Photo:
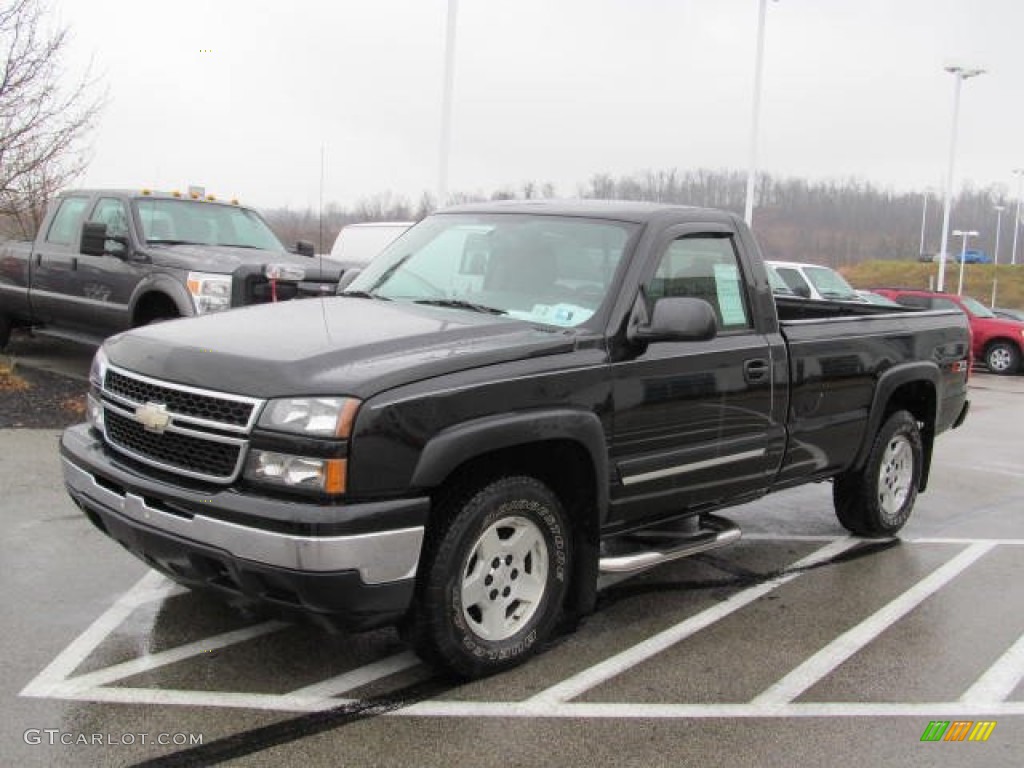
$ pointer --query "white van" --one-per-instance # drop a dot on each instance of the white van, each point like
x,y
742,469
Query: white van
x,y
813,281
357,244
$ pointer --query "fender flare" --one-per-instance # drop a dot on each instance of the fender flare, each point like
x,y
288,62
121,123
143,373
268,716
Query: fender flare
x,y
458,444
888,383
166,286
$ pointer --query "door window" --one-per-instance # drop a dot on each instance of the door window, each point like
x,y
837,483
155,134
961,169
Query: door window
x,y
704,267
112,212
66,221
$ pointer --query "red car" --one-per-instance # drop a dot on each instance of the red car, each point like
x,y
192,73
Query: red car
x,y
997,341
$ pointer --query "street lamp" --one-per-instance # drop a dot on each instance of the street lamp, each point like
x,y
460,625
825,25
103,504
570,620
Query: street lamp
x,y
960,74
446,105
1019,173
748,213
963,254
924,219
995,256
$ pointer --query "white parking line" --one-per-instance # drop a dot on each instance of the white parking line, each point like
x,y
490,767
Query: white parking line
x,y
150,587
152,661
846,645
616,665
1000,680
357,678
633,711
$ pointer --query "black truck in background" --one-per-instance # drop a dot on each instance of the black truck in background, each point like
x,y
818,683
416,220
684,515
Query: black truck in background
x,y
104,261
509,401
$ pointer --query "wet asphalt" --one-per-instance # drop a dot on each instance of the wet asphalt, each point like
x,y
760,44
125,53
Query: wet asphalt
x,y
794,647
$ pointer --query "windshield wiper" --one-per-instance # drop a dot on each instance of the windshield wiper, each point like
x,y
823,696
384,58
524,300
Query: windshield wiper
x,y
161,241
461,304
364,295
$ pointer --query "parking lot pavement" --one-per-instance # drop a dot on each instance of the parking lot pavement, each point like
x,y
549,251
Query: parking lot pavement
x,y
796,646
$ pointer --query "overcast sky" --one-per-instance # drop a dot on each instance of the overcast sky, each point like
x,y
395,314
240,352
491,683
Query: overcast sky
x,y
241,96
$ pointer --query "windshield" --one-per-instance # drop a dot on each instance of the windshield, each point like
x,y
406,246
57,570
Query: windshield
x,y
547,269
975,307
203,223
830,283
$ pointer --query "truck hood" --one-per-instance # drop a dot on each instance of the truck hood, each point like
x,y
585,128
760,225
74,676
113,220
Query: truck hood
x,y
330,346
224,259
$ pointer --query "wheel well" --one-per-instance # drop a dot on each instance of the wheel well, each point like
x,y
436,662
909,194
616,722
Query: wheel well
x,y
566,468
918,398
562,465
154,306
1002,340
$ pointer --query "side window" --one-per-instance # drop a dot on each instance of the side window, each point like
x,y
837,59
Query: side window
x,y
66,221
112,212
796,282
940,303
704,267
921,302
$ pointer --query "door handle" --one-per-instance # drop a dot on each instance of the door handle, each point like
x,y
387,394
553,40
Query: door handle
x,y
39,259
756,369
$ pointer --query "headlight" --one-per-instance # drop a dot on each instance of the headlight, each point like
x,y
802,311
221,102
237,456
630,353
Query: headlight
x,y
284,272
210,292
98,369
315,416
296,472
94,412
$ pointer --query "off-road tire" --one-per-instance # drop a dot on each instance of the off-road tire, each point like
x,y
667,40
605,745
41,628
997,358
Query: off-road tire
x,y
499,561
877,500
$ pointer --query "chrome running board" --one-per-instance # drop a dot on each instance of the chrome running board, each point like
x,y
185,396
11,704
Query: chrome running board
x,y
650,547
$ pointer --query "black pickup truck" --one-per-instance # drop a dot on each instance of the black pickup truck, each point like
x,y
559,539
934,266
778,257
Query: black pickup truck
x,y
511,400
104,261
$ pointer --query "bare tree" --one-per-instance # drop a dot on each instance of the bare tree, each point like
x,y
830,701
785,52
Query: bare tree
x,y
44,123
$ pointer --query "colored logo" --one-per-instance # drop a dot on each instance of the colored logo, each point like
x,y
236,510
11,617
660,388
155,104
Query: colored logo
x,y
958,730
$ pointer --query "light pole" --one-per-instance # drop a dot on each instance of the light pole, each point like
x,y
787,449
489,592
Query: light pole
x,y
446,105
995,255
924,218
960,74
963,254
748,212
1019,173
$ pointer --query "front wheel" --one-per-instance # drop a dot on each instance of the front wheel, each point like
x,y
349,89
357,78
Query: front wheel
x,y
494,580
1002,358
878,499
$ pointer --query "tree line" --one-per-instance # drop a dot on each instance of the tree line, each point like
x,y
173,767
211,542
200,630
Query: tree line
x,y
833,222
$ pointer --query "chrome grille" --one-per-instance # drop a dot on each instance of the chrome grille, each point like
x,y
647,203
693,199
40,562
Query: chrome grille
x,y
204,406
205,434
174,451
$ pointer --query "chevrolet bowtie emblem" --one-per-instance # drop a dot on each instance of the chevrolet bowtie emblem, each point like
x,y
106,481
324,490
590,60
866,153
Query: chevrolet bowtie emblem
x,y
153,416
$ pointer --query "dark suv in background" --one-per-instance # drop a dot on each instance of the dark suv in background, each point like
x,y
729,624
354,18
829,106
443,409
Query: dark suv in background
x,y
997,341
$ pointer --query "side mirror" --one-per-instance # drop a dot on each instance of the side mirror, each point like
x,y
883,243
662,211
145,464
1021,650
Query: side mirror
x,y
347,277
305,248
95,239
676,318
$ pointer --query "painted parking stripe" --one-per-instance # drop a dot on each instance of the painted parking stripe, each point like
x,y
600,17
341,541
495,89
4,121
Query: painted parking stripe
x,y
847,644
704,711
150,587
616,665
152,661
1001,679
356,678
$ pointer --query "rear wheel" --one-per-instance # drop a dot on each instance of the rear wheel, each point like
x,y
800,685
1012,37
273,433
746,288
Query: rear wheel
x,y
878,499
494,579
1002,357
